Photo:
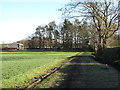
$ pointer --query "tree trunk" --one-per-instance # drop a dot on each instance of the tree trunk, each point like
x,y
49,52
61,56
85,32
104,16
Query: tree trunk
x,y
99,46
104,43
39,42
99,40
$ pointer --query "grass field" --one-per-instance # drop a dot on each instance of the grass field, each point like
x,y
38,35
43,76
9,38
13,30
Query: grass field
x,y
20,67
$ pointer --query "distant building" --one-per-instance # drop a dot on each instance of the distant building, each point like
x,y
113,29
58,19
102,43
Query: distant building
x,y
12,46
18,46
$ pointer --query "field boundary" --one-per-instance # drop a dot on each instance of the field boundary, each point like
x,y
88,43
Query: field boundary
x,y
41,78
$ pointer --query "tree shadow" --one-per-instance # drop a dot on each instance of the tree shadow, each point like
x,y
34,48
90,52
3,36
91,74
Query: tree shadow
x,y
70,70
73,69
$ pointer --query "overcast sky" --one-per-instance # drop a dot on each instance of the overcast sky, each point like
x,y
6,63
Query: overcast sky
x,y
19,18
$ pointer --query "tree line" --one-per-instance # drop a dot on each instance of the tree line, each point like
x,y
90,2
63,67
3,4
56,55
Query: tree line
x,y
66,35
97,28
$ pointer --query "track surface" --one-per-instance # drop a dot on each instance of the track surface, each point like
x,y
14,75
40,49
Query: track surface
x,y
84,72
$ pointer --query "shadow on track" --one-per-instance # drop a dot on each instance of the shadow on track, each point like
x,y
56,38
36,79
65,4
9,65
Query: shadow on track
x,y
84,72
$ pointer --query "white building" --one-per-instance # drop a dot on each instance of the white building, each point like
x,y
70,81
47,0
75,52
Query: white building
x,y
15,46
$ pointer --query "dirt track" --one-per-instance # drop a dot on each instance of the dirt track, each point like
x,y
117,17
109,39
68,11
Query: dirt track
x,y
84,72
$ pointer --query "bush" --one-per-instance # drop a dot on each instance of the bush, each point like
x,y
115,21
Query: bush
x,y
109,56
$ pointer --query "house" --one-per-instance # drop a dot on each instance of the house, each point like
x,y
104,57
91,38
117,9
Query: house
x,y
17,46
12,46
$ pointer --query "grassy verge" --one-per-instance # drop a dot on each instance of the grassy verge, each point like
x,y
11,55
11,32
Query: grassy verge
x,y
20,68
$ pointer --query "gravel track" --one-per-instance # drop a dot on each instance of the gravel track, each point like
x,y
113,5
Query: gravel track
x,y
84,72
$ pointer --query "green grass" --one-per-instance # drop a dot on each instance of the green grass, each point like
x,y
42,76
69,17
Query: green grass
x,y
20,67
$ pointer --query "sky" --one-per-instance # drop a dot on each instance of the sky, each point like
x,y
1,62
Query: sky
x,y
20,18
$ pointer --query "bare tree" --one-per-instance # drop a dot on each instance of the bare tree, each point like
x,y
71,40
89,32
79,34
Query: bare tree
x,y
104,16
